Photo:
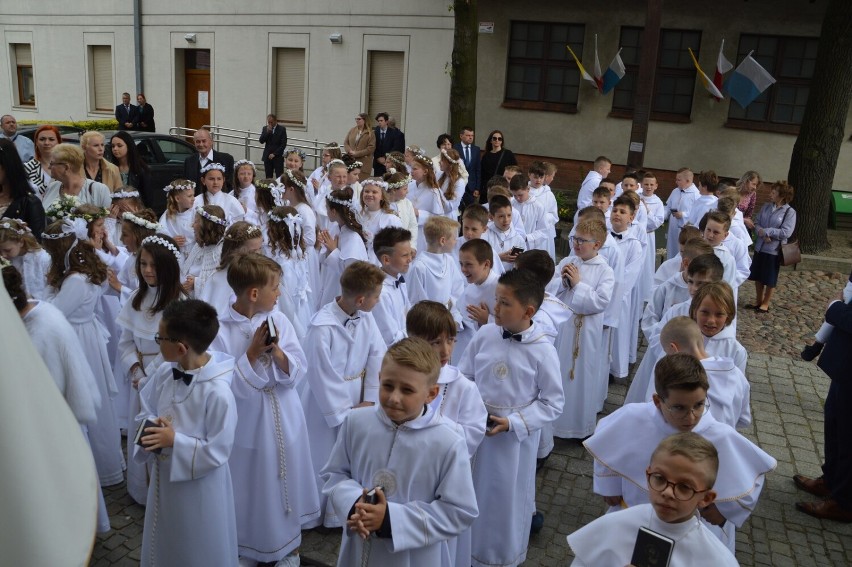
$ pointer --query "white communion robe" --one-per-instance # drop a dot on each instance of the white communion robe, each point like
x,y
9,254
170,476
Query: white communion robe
x,y
57,343
275,491
180,224
350,248
234,210
537,223
474,294
729,392
518,380
33,267
344,371
680,200
496,263
77,300
295,299
392,308
609,540
405,210
427,201
504,240
217,292
700,207
656,216
309,237
201,264
550,317
459,402
137,344
621,458
578,343
671,292
373,222
666,270
634,259
424,470
591,182
436,277
189,519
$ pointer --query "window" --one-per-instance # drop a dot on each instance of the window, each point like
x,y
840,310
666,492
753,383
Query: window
x,y
173,151
290,85
541,74
791,61
674,82
23,65
387,72
101,97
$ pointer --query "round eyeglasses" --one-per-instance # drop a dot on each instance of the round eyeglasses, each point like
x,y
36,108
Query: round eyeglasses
x,y
680,490
680,412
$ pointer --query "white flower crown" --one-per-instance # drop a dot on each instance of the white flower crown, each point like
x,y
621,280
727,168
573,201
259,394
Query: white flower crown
x,y
125,194
344,202
448,158
298,152
212,166
354,165
289,220
211,218
376,182
164,243
20,232
139,221
292,178
416,150
180,187
244,162
76,227
278,196
250,230
334,161
399,184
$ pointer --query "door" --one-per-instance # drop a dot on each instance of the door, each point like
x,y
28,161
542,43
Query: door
x,y
197,80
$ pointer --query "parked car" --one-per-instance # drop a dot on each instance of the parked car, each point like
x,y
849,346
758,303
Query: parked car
x,y
68,133
164,155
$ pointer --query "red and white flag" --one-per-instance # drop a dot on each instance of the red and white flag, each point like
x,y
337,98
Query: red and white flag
x,y
722,67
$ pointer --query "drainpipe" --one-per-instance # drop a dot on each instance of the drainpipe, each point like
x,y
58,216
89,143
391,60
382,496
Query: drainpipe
x,y
137,43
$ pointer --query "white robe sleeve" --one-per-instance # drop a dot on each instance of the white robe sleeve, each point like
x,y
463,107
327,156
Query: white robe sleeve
x,y
324,379
547,406
587,300
67,299
193,457
654,310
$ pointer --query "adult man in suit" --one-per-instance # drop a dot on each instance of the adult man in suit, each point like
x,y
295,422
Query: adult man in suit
x,y
192,165
125,113
835,484
274,135
472,157
388,140
145,117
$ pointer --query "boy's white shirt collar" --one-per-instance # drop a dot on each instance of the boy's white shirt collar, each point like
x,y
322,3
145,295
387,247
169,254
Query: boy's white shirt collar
x,y
427,419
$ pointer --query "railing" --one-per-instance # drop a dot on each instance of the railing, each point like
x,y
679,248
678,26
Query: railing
x,y
248,140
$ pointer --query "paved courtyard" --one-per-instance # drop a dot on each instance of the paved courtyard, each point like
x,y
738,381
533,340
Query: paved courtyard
x,y
786,397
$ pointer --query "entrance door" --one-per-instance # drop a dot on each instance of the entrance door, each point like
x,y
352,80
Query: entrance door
x,y
198,96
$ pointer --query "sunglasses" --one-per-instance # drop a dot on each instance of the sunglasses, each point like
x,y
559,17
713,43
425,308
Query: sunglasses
x,y
497,138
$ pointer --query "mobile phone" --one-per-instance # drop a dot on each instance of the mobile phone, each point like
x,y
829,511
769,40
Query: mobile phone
x,y
516,250
490,424
372,497
272,334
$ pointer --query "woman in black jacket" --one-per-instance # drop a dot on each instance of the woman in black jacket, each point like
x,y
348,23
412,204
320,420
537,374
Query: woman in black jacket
x,y
495,158
17,200
133,169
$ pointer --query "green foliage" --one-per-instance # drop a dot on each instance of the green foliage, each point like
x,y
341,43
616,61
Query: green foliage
x,y
564,206
110,124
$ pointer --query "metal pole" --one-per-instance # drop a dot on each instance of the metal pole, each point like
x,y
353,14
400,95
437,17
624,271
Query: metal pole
x,y
137,43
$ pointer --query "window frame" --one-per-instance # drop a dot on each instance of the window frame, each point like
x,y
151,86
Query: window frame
x,y
545,64
22,101
24,73
772,93
660,72
93,49
279,54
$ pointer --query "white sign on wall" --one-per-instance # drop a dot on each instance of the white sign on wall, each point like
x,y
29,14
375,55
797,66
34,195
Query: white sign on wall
x,y
203,99
486,27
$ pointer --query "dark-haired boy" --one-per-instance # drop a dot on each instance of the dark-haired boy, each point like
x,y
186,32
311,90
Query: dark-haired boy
x,y
538,226
623,212
345,349
501,234
271,503
474,223
539,190
600,169
517,372
392,247
190,400
680,404
476,304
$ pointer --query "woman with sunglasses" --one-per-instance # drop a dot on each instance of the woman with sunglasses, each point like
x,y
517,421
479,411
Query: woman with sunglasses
x,y
496,157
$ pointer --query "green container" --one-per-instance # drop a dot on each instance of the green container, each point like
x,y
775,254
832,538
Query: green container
x,y
841,210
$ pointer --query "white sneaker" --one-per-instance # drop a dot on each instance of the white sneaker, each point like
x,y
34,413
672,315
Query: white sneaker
x,y
291,560
246,562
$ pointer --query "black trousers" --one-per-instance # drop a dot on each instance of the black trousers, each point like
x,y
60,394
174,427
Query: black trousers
x,y
273,167
837,469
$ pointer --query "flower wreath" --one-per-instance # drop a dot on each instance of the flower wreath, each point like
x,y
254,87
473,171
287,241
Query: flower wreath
x,y
376,182
20,232
211,166
295,181
211,218
448,158
354,165
399,184
159,240
125,195
298,152
179,186
139,221
244,162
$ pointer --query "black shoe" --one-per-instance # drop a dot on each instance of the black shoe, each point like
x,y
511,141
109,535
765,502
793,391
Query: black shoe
x,y
539,463
537,523
812,351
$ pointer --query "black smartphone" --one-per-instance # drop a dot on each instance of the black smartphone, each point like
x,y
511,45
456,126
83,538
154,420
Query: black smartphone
x,y
490,424
372,497
141,431
516,250
272,334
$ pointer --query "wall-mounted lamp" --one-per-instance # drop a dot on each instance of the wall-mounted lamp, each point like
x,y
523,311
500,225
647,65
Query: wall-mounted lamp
x,y
336,38
190,37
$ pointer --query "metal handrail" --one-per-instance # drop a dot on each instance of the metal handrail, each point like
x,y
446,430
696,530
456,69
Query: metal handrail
x,y
248,140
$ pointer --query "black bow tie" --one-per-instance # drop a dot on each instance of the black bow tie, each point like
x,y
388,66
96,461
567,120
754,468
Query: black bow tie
x,y
399,280
353,320
178,375
616,235
511,335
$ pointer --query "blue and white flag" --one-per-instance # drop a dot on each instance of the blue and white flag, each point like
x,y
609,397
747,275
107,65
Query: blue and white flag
x,y
748,81
613,74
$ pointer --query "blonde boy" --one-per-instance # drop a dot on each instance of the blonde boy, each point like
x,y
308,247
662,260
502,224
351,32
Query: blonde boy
x,y
435,274
345,348
414,462
586,289
681,477
678,207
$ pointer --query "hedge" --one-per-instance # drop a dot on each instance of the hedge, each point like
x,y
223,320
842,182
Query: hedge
x,y
110,124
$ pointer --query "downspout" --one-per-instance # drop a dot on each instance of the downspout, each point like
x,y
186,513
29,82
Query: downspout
x,y
137,43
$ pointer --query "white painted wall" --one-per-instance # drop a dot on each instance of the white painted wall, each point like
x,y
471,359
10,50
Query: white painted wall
x,y
705,143
241,35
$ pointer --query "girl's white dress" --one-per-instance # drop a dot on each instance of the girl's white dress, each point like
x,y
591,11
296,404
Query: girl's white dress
x,y
180,224
77,299
201,263
373,222
309,237
295,301
350,248
234,210
405,210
